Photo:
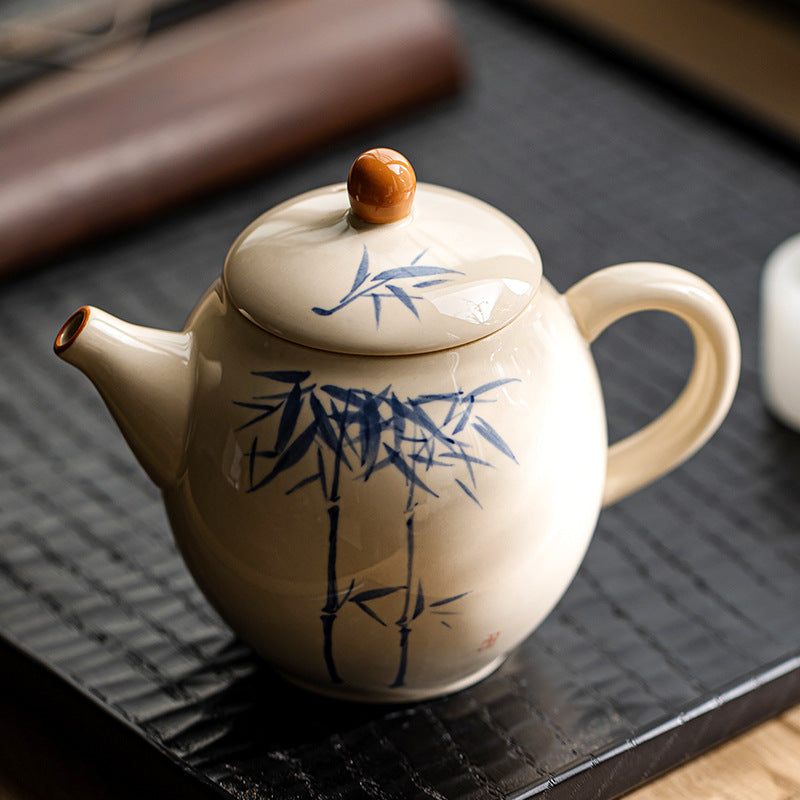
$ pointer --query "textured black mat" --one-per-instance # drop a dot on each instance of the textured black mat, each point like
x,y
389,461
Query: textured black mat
x,y
682,626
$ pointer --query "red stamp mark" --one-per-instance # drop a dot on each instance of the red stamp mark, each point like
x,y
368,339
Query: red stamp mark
x,y
489,641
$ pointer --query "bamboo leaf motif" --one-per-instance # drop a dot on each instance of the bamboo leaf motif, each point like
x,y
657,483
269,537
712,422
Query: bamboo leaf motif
x,y
398,273
321,471
283,395
468,493
343,395
397,460
370,435
398,420
465,457
296,450
369,612
463,419
403,297
252,461
451,397
427,284
362,598
374,594
419,606
422,419
324,427
449,600
427,459
468,462
289,417
418,256
362,273
305,482
366,286
493,437
266,409
488,387
346,595
400,411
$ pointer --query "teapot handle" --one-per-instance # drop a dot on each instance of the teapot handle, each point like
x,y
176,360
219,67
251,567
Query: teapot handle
x,y
601,299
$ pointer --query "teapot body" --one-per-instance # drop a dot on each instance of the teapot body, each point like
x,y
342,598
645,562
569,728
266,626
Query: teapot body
x,y
385,488
389,528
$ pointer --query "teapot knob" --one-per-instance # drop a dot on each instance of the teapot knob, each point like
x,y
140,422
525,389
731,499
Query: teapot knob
x,y
381,185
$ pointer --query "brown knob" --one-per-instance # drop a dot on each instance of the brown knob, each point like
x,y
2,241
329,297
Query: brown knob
x,y
381,186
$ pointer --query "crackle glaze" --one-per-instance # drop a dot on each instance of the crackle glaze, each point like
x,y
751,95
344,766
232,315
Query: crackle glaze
x,y
389,524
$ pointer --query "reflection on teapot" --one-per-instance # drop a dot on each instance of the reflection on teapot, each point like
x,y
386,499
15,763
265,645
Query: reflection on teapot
x,y
380,436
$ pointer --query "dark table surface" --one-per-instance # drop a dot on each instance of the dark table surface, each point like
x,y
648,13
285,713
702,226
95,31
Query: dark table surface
x,y
682,625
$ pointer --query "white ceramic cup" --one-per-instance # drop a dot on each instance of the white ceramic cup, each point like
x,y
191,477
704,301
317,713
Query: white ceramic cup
x,y
780,332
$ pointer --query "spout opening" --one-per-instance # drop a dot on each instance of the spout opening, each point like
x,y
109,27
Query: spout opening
x,y
71,329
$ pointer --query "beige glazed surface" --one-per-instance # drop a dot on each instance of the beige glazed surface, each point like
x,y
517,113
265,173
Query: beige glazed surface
x,y
390,527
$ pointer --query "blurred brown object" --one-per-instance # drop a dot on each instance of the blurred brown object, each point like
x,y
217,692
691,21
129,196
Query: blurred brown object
x,y
68,32
743,55
214,99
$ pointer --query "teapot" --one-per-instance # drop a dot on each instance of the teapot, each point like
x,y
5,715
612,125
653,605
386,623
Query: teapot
x,y
380,435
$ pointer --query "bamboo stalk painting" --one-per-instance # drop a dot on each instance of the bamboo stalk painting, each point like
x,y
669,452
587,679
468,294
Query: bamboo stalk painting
x,y
359,432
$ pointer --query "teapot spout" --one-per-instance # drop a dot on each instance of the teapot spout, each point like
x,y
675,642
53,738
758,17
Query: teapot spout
x,y
146,378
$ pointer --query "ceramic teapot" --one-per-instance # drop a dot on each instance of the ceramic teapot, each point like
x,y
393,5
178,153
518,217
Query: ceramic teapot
x,y
380,436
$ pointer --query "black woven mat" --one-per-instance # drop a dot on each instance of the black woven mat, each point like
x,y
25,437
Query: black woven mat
x,y
681,628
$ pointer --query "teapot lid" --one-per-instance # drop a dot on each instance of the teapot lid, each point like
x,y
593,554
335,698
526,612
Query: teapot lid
x,y
382,265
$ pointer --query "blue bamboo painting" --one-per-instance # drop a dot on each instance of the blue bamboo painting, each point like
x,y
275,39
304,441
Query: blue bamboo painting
x,y
359,432
386,285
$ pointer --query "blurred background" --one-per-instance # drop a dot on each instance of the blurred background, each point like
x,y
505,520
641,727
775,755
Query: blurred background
x,y
114,111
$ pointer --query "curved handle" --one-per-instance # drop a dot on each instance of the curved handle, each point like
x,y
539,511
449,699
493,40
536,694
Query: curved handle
x,y
609,294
